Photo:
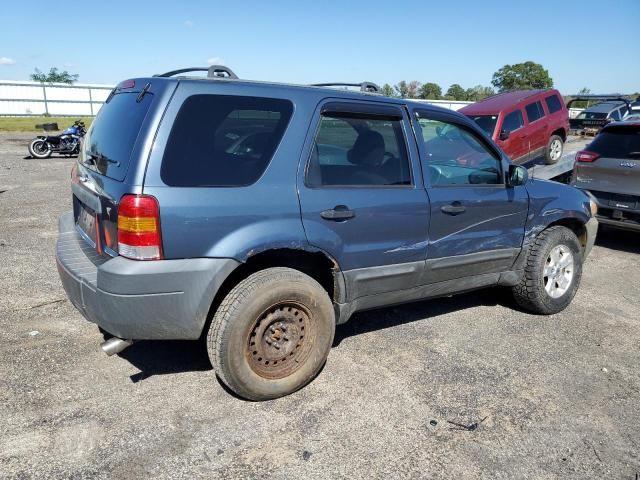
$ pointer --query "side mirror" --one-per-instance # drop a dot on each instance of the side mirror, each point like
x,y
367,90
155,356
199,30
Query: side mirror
x,y
517,175
504,135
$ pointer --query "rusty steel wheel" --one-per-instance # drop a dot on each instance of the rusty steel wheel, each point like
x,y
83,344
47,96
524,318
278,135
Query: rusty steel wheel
x,y
271,334
279,342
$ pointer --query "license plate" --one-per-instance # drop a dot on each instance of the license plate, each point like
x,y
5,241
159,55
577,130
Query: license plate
x,y
87,223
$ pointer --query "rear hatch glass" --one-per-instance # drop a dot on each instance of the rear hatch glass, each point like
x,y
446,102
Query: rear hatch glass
x,y
109,142
621,142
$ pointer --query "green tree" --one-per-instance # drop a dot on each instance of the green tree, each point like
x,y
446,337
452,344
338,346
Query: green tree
x,y
584,91
456,92
54,76
402,89
388,90
478,92
431,91
521,76
406,89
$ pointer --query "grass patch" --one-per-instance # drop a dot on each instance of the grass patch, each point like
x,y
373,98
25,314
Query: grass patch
x,y
28,124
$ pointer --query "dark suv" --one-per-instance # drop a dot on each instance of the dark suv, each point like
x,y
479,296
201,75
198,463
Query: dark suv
x,y
594,117
261,215
609,169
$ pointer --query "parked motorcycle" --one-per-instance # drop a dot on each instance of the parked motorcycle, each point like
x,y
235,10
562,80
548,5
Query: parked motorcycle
x,y
67,143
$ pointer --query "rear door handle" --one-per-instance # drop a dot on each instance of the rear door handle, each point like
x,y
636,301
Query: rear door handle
x,y
454,209
337,213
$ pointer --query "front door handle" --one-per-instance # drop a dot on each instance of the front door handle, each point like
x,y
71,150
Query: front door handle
x,y
454,209
338,213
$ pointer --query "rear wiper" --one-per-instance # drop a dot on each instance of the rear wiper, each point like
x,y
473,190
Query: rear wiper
x,y
101,158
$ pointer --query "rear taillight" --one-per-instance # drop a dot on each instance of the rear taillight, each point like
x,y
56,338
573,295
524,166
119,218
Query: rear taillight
x,y
139,235
586,156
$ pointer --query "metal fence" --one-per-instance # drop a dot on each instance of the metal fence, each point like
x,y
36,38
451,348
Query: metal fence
x,y
56,99
59,99
450,104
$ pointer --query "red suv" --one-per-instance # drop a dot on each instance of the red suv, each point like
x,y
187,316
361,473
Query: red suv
x,y
526,124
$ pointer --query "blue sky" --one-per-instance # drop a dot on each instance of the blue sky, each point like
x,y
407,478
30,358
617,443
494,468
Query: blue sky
x,y
301,41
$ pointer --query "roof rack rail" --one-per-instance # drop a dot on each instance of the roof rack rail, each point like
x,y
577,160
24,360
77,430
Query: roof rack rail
x,y
368,87
214,71
599,98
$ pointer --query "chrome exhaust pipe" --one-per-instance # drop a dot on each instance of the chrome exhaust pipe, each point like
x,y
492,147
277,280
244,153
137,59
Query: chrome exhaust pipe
x,y
115,345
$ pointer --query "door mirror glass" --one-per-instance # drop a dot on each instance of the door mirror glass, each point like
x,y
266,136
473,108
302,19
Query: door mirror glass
x,y
517,175
504,134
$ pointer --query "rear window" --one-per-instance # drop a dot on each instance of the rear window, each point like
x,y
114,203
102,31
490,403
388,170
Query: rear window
x,y
485,122
553,104
620,142
108,144
534,111
223,141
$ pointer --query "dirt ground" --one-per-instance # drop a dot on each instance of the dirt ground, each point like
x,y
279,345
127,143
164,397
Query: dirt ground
x,y
461,387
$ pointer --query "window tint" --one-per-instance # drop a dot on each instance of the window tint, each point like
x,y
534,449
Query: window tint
x,y
534,111
220,140
356,149
456,156
553,104
615,115
112,135
621,142
513,121
485,122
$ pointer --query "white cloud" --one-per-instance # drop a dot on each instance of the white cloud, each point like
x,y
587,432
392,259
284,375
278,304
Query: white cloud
x,y
215,61
7,61
188,23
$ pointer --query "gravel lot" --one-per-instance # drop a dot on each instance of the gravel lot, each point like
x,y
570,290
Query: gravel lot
x,y
463,387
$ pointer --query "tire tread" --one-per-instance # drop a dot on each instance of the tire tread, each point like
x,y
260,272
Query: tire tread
x,y
528,294
234,299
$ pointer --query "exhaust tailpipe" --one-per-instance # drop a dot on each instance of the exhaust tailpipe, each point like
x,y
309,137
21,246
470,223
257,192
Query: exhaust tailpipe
x,y
115,345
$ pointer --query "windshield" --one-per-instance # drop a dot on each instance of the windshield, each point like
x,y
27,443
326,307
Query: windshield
x,y
591,115
485,122
110,140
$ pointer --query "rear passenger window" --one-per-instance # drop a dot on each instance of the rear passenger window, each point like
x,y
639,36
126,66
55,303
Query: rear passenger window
x,y
226,141
358,150
513,121
615,115
534,111
553,104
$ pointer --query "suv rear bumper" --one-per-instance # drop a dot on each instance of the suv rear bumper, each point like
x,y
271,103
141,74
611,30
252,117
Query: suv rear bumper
x,y
163,299
617,210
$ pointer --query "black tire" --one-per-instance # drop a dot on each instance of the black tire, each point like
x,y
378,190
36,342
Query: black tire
x,y
271,334
531,293
551,154
39,149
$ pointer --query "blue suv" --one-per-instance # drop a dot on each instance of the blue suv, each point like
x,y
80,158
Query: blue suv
x,y
260,215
